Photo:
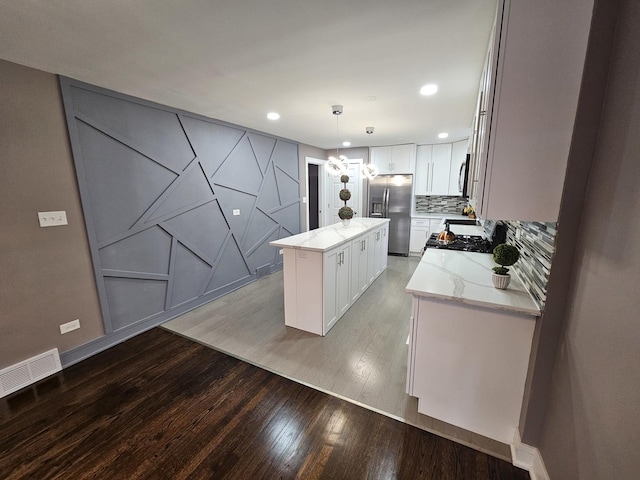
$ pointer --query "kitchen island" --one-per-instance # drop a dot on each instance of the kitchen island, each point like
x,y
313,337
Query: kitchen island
x,y
469,343
327,269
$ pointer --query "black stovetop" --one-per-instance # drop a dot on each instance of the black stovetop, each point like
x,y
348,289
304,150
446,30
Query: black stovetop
x,y
467,243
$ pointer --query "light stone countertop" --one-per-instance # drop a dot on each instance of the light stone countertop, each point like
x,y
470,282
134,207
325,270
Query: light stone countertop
x,y
465,277
326,238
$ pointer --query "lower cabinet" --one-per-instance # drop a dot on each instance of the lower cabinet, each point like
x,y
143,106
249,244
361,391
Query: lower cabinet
x,y
359,266
468,365
337,284
319,287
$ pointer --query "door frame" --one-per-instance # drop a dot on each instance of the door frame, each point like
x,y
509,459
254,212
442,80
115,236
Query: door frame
x,y
321,193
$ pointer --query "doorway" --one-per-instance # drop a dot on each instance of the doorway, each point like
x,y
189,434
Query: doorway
x,y
333,189
314,201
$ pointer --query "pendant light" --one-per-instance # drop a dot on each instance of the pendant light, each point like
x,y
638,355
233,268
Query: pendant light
x,y
340,165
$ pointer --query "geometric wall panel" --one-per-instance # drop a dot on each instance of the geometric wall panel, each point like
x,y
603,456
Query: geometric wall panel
x,y
189,276
117,200
226,271
159,188
131,299
211,141
287,187
148,251
203,227
263,148
190,189
260,223
269,197
112,115
241,160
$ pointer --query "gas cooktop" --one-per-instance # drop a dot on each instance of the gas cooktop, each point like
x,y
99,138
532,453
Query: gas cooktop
x,y
467,243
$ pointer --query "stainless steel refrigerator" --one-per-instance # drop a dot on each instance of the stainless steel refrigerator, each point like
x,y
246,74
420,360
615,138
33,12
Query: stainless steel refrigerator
x,y
390,197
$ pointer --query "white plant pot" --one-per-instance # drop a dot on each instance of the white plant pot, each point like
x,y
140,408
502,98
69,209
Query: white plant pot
x,y
501,281
346,221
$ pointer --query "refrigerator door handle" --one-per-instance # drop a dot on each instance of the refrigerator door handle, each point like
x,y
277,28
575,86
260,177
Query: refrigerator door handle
x,y
385,203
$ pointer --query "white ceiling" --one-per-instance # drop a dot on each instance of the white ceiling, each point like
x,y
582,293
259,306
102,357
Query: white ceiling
x,y
236,60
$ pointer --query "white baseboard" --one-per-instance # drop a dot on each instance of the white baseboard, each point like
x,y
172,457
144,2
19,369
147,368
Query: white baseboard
x,y
528,457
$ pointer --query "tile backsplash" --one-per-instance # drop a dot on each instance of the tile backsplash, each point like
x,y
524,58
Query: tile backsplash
x,y
536,242
440,204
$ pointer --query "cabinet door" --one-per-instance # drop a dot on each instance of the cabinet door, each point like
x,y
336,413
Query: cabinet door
x,y
377,248
371,259
343,281
357,249
381,158
331,260
384,246
423,170
441,157
418,239
363,266
458,160
403,158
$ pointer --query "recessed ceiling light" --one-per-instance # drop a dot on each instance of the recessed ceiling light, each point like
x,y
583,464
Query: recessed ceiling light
x,y
370,98
443,135
346,144
429,89
273,116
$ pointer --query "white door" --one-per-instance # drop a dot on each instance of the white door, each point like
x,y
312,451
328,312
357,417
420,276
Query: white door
x,y
333,187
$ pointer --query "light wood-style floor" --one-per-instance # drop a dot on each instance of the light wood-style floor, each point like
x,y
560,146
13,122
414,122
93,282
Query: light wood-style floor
x,y
363,358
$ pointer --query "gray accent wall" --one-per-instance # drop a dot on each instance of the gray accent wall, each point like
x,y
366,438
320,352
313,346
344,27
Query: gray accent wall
x,y
180,209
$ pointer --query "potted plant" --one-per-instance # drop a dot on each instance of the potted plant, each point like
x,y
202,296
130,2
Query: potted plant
x,y
504,255
345,213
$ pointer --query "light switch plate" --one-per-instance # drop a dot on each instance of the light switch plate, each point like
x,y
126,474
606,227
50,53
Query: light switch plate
x,y
70,326
236,211
52,219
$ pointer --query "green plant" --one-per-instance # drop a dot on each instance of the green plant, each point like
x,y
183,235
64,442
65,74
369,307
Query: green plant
x,y
345,194
345,213
505,255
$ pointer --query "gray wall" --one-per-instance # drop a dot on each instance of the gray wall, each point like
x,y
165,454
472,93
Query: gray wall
x,y
589,429
46,276
180,209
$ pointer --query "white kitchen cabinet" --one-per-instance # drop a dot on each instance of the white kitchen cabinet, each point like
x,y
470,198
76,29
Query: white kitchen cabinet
x,y
327,269
441,169
458,161
400,159
337,284
360,266
418,235
421,230
529,97
377,241
468,365
438,168
384,246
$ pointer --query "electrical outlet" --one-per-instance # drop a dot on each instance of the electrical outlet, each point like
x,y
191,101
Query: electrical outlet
x,y
281,251
52,219
236,211
70,326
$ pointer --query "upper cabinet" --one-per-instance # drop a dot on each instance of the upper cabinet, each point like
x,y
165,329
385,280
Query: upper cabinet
x,y
394,159
438,168
526,108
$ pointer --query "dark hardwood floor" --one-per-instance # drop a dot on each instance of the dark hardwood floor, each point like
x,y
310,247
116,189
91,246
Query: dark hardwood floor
x,y
161,406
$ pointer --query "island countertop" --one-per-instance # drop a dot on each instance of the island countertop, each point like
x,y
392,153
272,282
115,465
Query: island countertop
x,y
325,238
465,277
